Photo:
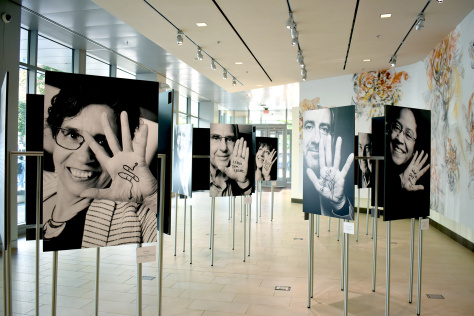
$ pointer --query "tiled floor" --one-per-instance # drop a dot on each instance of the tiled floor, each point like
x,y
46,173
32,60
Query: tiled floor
x,y
233,287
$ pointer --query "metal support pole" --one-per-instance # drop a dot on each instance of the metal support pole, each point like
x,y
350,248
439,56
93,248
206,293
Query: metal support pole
x,y
271,218
241,207
229,207
233,223
374,230
338,228
412,250
256,204
310,258
260,199
54,292
190,234
139,286
342,259
176,224
38,225
387,269
368,212
161,218
318,217
213,213
420,245
329,224
250,222
210,227
97,272
184,225
358,206
245,233
346,272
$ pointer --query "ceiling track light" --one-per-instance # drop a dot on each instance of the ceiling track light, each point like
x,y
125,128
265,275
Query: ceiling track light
x,y
179,38
213,64
224,74
294,32
290,22
234,82
303,74
393,61
199,54
440,1
420,21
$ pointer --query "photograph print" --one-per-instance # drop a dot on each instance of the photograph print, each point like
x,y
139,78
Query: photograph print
x,y
366,169
231,159
101,135
266,156
407,163
182,159
328,156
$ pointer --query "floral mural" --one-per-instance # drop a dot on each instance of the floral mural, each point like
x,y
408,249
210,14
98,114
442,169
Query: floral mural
x,y
374,89
452,124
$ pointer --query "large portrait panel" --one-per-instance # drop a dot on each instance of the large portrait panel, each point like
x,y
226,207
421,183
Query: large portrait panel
x,y
266,155
328,156
101,141
232,159
407,163
182,159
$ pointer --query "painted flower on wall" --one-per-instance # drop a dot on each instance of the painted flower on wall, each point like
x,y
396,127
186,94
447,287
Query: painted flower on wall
x,y
374,89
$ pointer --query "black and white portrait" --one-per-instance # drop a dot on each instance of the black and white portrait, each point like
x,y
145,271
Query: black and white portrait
x,y
182,159
328,149
101,190
407,168
231,160
366,169
265,157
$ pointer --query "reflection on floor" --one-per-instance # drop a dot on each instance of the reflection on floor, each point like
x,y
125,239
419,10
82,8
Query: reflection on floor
x,y
232,287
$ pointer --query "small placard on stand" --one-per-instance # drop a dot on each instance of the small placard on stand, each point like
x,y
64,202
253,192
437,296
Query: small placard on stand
x,y
248,199
425,224
274,183
146,254
348,228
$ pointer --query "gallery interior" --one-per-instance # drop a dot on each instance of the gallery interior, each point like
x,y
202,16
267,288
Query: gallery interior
x,y
259,63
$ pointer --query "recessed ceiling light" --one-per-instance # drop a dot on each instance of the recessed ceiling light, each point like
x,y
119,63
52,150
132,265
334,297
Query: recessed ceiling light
x,y
238,63
201,24
367,59
259,85
385,15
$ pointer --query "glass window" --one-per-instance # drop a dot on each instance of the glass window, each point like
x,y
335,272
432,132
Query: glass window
x,y
54,56
125,74
194,108
24,45
40,76
183,104
183,119
195,121
96,67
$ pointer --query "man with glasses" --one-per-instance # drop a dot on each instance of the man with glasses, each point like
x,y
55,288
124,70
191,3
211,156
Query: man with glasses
x,y
229,162
326,186
406,154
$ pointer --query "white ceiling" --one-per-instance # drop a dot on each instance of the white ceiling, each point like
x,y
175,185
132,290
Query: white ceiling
x,y
143,33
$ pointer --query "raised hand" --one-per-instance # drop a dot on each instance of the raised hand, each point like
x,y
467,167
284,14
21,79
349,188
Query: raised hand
x,y
239,162
132,180
267,165
330,183
414,172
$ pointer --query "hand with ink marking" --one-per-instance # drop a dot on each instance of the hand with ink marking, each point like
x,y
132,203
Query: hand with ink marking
x,y
267,165
330,183
239,162
132,180
414,172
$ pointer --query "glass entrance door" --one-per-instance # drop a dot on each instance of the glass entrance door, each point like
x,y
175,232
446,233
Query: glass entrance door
x,y
284,150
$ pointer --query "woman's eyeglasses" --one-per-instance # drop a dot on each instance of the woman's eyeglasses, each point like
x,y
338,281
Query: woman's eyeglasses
x,y
72,140
409,134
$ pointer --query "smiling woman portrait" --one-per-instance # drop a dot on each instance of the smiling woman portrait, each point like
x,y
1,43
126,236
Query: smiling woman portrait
x,y
101,191
407,168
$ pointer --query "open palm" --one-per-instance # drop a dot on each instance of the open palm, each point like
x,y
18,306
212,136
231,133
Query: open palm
x,y
239,162
132,180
